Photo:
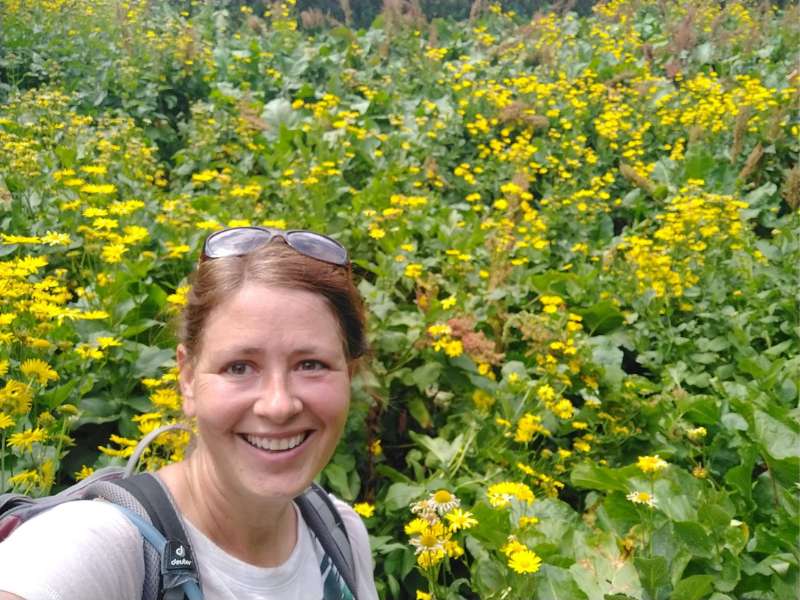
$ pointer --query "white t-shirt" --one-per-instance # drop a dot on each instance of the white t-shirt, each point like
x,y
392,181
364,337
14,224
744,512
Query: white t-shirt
x,y
88,550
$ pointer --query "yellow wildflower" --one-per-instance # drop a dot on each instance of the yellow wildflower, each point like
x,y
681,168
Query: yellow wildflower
x,y
524,561
365,509
24,440
39,369
651,464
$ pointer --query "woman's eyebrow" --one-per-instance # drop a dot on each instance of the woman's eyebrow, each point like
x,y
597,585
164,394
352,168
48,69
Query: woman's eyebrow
x,y
249,350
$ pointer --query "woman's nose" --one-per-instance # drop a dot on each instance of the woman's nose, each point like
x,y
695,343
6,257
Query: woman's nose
x,y
275,400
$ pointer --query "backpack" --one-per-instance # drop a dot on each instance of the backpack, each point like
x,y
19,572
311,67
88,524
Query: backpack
x,y
170,568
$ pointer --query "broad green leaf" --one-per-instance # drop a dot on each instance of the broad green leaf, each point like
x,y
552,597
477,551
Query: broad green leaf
x,y
600,569
593,477
697,539
57,396
419,411
426,375
440,449
778,439
601,318
555,583
401,495
693,588
337,479
493,525
152,360
609,356
653,574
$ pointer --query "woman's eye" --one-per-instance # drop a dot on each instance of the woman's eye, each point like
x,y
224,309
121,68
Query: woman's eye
x,y
238,368
310,365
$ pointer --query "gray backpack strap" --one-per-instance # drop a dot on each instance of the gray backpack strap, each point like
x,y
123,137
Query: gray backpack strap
x,y
115,493
152,558
326,523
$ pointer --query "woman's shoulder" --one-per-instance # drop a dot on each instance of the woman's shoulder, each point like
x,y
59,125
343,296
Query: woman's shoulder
x,y
362,554
87,547
93,515
352,521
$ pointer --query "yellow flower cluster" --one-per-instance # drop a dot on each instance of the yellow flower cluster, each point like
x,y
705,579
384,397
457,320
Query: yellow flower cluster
x,y
443,342
431,532
521,559
668,262
501,494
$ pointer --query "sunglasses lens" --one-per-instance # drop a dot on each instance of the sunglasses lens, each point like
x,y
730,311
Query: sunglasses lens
x,y
317,246
235,242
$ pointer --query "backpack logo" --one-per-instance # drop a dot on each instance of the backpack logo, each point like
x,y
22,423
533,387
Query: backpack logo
x,y
177,557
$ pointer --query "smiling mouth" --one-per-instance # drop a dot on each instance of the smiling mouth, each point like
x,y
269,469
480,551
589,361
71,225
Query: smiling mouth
x,y
275,445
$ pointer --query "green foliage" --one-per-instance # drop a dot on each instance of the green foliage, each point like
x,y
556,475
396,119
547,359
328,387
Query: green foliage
x,y
576,237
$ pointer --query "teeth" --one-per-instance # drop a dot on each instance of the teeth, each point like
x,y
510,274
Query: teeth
x,y
275,445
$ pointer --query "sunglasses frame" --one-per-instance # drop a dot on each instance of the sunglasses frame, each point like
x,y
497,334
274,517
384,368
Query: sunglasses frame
x,y
284,234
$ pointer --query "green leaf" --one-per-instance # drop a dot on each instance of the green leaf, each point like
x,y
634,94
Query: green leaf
x,y
420,412
699,162
695,538
487,574
593,477
620,513
278,112
601,318
492,527
426,375
151,361
716,517
703,410
138,327
693,588
653,573
555,583
778,439
704,53
56,397
439,449
400,496
337,479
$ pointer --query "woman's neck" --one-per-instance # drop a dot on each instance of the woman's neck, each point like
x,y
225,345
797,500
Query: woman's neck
x,y
254,530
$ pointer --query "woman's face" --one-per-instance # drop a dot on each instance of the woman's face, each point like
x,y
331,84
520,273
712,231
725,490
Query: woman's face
x,y
270,390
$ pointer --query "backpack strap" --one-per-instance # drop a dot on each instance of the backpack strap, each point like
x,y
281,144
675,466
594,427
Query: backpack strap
x,y
178,565
326,523
188,589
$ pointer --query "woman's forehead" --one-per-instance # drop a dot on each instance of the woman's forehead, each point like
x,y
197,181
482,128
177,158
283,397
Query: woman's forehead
x,y
257,313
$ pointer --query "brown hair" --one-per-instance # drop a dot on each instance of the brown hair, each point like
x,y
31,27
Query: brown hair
x,y
275,265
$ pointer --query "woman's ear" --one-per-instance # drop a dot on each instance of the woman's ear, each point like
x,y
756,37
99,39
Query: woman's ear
x,y
186,379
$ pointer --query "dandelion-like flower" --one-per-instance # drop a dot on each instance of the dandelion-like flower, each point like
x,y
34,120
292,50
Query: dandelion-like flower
x,y
651,464
5,421
443,501
524,561
460,519
415,527
365,509
642,498
501,494
431,539
697,433
426,510
39,369
24,440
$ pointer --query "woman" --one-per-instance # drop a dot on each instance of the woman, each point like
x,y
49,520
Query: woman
x,y
270,337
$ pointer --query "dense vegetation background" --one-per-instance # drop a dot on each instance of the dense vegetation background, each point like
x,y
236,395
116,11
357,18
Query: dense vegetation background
x,y
576,234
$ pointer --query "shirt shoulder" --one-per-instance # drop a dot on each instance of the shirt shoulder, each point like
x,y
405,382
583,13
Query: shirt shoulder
x,y
82,549
362,554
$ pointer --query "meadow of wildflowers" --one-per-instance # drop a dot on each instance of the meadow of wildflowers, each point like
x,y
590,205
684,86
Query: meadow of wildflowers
x,y
577,238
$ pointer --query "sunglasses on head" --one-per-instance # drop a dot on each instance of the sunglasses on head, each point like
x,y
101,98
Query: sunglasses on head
x,y
238,241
